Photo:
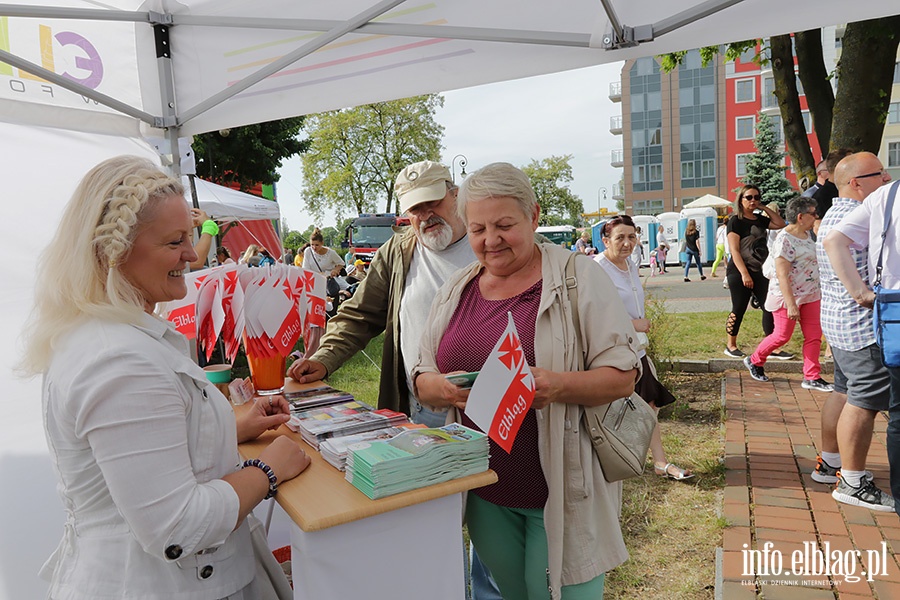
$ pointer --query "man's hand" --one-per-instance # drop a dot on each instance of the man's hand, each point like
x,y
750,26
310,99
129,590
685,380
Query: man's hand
x,y
306,371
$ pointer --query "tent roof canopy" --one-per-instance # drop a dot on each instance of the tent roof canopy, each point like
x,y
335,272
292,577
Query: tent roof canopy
x,y
204,65
708,201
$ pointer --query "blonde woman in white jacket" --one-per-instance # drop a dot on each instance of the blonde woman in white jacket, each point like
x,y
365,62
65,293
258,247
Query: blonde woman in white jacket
x,y
551,505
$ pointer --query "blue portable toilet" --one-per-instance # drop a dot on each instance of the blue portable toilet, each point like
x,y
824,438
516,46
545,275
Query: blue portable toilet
x,y
596,237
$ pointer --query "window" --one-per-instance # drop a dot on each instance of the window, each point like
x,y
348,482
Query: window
x,y
687,170
742,160
894,154
893,115
745,126
654,136
708,168
648,207
656,173
779,129
769,100
748,55
744,90
807,121
897,72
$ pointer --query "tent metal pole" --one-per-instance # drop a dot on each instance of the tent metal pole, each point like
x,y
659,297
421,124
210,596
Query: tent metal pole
x,y
308,48
614,22
690,15
87,14
78,88
477,34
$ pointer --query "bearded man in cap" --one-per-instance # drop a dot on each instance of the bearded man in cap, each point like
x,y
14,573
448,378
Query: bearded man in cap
x,y
395,297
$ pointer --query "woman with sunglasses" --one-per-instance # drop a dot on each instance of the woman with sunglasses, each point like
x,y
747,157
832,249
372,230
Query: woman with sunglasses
x,y
747,231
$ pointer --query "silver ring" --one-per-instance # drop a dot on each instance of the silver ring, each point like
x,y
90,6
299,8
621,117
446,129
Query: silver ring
x,y
270,401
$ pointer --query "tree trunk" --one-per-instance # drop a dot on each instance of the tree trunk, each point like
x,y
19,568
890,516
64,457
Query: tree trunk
x,y
789,105
866,73
814,77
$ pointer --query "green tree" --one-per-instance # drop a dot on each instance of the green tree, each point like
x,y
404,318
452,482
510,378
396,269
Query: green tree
x,y
550,179
356,153
765,169
248,155
854,116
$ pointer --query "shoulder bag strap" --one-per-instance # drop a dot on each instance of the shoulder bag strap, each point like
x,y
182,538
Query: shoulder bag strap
x,y
888,212
571,282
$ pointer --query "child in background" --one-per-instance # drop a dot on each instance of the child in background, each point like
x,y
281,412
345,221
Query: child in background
x,y
653,263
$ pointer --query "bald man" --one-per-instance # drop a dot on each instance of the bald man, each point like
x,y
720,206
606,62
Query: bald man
x,y
861,381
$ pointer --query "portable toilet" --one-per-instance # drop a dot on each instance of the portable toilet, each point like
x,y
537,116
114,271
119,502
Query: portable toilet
x,y
649,226
707,223
668,221
596,238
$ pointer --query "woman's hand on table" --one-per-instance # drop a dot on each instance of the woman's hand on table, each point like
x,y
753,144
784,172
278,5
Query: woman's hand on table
x,y
269,412
286,458
435,390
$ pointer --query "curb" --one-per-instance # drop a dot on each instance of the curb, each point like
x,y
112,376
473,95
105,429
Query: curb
x,y
720,365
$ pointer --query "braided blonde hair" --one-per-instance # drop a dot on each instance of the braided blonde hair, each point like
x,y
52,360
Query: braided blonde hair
x,y
80,277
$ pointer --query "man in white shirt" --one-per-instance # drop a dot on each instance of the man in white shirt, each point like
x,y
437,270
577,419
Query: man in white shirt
x,y
861,382
863,227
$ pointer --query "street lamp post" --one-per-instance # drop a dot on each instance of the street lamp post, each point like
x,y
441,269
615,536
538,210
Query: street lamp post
x,y
601,190
463,161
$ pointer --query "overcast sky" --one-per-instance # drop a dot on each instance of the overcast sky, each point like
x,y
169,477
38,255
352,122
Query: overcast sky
x,y
516,121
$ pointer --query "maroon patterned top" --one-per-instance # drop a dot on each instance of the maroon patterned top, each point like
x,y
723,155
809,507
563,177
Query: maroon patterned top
x,y
473,331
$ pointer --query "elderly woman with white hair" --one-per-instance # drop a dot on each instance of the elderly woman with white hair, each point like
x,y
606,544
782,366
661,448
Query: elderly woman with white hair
x,y
157,500
551,518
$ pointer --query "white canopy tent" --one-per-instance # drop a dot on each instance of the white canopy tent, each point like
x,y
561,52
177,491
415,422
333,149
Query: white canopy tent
x,y
708,201
225,204
112,72
202,65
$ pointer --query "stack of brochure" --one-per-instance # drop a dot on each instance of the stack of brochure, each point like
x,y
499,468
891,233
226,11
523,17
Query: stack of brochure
x,y
317,396
343,418
415,459
334,450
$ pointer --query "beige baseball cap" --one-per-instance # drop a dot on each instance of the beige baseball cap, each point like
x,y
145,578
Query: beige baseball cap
x,y
421,182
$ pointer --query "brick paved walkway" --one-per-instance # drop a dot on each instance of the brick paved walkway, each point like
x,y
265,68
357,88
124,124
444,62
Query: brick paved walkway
x,y
772,436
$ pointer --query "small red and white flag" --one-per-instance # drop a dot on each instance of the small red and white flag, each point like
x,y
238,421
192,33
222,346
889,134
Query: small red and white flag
x,y
503,391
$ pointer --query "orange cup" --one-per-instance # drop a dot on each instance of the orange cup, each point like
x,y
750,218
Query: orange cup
x,y
267,372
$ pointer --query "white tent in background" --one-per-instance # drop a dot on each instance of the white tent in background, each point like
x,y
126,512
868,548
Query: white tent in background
x,y
225,204
708,201
81,81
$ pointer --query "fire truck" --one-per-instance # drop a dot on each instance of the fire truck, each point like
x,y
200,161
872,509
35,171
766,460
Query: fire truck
x,y
369,231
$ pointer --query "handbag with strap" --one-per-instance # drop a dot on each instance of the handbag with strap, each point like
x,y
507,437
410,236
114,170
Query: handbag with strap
x,y
886,318
620,431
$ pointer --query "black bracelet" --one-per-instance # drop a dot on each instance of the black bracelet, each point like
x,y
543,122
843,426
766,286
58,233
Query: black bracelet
x,y
273,481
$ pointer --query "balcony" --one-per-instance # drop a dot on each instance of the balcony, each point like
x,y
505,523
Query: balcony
x,y
617,158
615,91
615,125
618,192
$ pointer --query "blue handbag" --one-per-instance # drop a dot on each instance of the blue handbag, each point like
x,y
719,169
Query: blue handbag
x,y
886,318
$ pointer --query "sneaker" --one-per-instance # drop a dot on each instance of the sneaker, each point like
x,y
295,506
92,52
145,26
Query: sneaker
x,y
782,355
725,285
754,302
757,373
703,278
736,353
867,495
686,280
817,385
825,473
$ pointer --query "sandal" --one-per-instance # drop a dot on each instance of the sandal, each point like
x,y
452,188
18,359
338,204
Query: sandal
x,y
679,474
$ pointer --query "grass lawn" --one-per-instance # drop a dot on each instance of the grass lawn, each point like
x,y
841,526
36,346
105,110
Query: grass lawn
x,y
671,528
702,335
